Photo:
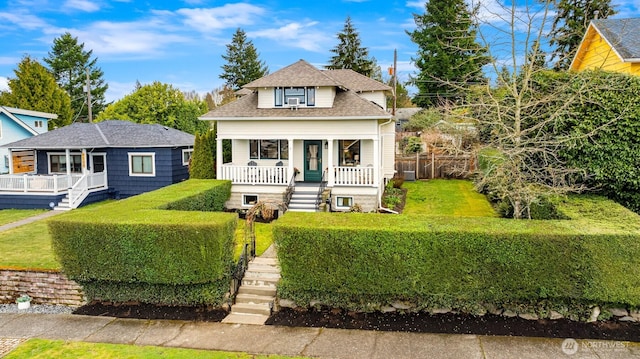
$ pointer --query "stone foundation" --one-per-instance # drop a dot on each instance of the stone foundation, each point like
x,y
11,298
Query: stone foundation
x,y
44,287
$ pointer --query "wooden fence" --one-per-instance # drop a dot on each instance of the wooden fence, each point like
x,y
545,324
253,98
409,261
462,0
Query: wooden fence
x,y
434,165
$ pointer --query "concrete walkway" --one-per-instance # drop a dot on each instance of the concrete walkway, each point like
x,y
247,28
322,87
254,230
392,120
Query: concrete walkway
x,y
309,342
28,220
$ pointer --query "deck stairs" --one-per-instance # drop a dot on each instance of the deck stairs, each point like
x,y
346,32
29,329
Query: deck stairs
x,y
304,197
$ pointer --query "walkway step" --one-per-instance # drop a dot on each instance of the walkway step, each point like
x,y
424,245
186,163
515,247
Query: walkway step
x,y
252,298
258,290
265,260
252,319
249,308
259,281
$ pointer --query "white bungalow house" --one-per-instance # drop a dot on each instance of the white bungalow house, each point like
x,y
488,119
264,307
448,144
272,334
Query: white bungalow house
x,y
302,131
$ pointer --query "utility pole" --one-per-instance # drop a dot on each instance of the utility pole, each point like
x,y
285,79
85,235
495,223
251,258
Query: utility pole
x,y
90,118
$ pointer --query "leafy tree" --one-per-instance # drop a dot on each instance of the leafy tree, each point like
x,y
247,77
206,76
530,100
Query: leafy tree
x,y
34,88
203,164
158,103
68,62
402,95
242,62
220,96
349,53
570,24
449,59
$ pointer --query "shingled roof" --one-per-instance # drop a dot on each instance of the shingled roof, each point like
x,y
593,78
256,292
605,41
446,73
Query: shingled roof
x,y
355,81
112,133
623,35
300,73
347,104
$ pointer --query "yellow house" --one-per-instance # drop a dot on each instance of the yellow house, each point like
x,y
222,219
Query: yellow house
x,y
610,45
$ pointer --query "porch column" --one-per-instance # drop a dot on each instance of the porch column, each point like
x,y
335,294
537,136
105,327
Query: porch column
x,y
291,159
84,161
67,156
376,162
219,158
10,161
331,176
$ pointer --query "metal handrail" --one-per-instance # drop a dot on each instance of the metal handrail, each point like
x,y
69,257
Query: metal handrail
x,y
290,189
323,185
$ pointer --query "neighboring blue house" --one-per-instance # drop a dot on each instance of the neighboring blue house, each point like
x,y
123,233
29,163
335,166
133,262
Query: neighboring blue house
x,y
88,162
17,124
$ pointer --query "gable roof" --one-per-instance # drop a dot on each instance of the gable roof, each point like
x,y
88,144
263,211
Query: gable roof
x,y
355,81
347,104
622,35
11,112
112,133
298,74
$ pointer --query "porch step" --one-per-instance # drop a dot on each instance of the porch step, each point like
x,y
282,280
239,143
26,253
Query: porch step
x,y
303,199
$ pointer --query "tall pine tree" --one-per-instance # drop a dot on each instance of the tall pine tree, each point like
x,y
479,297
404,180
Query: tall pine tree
x,y
242,62
570,24
203,164
449,57
68,62
34,88
349,53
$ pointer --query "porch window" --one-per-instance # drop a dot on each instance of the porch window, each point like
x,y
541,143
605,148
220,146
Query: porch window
x,y
269,149
58,163
142,164
349,152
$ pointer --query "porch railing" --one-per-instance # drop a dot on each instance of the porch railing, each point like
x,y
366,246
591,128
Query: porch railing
x,y
354,176
255,174
38,183
87,182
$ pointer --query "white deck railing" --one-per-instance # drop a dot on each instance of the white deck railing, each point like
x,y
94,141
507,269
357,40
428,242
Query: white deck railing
x,y
87,182
256,174
38,183
354,176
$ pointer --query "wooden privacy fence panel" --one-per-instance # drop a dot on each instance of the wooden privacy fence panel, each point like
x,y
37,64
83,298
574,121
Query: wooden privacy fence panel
x,y
433,165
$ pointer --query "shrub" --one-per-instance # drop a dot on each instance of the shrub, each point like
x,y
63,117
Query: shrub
x,y
364,261
132,251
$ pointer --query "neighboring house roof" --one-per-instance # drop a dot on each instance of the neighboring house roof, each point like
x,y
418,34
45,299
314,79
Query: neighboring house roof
x,y
622,35
11,112
405,113
347,104
243,91
112,133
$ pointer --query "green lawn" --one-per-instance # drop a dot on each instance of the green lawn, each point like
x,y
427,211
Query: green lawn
x,y
13,215
46,349
450,198
264,237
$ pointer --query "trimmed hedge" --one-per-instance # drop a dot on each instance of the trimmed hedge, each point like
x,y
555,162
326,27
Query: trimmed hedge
x,y
135,250
363,261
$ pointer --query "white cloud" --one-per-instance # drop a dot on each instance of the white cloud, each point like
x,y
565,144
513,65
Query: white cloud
x,y
118,90
416,4
227,16
298,35
9,60
4,83
82,5
23,19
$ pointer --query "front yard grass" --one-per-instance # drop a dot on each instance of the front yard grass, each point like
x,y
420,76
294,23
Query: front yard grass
x,y
446,198
13,215
41,349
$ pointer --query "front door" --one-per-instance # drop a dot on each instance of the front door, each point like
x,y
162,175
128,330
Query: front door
x,y
313,161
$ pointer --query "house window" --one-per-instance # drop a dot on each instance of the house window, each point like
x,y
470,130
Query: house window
x,y
269,149
186,156
249,199
311,96
58,163
349,152
344,202
304,95
38,124
142,164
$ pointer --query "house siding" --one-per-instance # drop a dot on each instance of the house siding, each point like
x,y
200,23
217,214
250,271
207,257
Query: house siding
x,y
324,97
376,96
597,54
29,201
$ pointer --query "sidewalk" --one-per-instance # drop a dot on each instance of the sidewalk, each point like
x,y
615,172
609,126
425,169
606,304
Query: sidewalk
x,y
310,342
29,220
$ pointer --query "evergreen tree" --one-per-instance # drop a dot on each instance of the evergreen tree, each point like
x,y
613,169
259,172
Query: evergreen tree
x,y
68,62
203,165
158,103
570,24
449,58
242,62
34,88
349,53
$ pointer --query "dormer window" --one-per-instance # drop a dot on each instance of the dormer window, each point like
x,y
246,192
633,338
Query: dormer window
x,y
295,95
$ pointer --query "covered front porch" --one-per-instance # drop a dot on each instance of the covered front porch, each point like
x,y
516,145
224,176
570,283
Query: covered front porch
x,y
282,162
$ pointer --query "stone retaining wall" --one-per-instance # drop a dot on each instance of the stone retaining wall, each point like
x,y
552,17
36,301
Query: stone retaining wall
x,y
44,287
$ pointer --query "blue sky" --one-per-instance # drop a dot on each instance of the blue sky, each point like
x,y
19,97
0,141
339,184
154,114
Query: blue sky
x,y
181,42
